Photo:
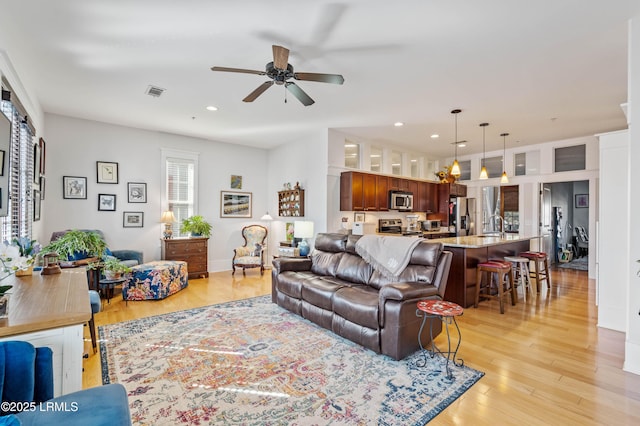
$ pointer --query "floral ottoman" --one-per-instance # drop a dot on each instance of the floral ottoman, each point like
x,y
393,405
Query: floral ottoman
x,y
155,280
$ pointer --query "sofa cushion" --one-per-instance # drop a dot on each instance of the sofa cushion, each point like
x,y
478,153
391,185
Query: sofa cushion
x,y
412,273
319,291
291,282
358,304
351,244
333,243
426,253
353,268
325,263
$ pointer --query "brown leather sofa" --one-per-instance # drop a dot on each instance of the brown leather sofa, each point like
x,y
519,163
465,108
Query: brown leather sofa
x,y
336,289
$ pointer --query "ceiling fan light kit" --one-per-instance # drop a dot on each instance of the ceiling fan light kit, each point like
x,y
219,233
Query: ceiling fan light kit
x,y
280,72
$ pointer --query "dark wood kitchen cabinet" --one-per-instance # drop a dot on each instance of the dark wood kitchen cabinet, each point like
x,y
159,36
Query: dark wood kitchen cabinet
x,y
191,250
426,197
363,192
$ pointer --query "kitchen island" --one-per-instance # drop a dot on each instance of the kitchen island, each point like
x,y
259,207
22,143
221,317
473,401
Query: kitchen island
x,y
468,252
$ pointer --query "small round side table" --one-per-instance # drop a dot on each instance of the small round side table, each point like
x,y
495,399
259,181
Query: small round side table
x,y
447,313
110,286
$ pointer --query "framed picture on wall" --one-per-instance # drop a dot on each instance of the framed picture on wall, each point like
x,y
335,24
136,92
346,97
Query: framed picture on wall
x,y
582,200
42,155
36,205
74,187
133,219
36,164
137,192
235,204
1,162
107,172
107,202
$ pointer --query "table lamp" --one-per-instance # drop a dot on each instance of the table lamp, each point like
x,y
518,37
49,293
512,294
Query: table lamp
x,y
167,218
303,229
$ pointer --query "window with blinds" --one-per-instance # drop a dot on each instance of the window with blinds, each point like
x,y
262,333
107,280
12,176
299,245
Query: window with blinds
x,y
16,205
180,184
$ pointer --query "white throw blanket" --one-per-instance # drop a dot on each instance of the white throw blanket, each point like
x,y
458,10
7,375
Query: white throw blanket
x,y
387,255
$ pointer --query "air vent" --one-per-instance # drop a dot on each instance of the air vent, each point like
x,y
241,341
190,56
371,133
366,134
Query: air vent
x,y
155,91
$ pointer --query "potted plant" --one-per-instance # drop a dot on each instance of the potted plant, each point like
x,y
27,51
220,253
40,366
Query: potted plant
x,y
113,268
76,245
28,250
196,226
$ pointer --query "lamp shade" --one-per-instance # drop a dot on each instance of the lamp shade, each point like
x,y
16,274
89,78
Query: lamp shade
x,y
266,216
167,217
303,229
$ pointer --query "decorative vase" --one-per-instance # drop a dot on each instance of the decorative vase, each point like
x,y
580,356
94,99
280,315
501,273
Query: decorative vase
x,y
110,275
25,272
4,306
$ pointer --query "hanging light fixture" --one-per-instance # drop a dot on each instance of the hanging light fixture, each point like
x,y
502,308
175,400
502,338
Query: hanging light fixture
x,y
504,178
455,167
483,172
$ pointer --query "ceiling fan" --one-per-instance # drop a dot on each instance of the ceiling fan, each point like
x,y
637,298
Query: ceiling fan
x,y
280,72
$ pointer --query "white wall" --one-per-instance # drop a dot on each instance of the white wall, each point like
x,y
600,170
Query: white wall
x,y
73,147
632,345
303,161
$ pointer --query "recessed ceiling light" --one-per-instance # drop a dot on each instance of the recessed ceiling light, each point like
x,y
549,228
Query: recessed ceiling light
x,y
435,136
398,124
212,108
375,155
462,145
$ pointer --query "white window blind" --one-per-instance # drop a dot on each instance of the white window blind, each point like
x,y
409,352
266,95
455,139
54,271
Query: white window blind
x,y
18,164
180,189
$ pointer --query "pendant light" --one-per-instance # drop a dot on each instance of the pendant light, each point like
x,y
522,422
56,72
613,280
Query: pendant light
x,y
455,167
483,172
504,178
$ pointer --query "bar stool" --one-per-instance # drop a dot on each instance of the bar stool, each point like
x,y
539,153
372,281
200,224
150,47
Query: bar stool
x,y
520,272
541,267
505,282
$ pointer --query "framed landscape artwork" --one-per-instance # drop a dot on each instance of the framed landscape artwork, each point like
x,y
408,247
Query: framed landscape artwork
x,y
74,187
133,219
235,204
107,172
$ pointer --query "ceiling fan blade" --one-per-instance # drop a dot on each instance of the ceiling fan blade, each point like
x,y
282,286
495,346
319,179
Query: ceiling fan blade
x,y
322,78
225,69
299,93
280,57
259,91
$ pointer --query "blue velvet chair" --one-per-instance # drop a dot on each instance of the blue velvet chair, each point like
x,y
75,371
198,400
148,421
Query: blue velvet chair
x,y
26,380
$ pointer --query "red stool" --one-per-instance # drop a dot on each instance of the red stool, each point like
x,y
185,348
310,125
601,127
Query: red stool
x,y
505,282
541,267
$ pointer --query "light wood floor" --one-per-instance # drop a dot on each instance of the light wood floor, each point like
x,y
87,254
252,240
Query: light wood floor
x,y
545,360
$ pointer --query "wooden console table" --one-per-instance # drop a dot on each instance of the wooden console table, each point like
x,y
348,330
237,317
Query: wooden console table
x,y
191,250
50,310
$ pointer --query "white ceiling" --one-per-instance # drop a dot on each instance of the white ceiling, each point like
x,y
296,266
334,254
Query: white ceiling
x,y
540,70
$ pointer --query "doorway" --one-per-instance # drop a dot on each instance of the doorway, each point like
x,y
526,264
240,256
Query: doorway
x,y
563,207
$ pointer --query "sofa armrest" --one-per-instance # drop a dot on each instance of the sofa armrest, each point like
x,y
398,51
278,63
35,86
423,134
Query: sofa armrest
x,y
282,264
128,255
406,291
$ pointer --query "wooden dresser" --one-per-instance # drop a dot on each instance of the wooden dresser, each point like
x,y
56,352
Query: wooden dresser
x,y
191,250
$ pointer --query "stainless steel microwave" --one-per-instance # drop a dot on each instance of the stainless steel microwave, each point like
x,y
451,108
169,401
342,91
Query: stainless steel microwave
x,y
401,201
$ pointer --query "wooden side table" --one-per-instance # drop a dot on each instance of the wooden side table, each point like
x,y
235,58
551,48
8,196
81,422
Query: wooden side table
x,y
447,313
193,250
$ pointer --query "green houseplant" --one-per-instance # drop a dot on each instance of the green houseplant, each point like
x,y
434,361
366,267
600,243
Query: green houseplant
x,y
76,244
113,268
196,226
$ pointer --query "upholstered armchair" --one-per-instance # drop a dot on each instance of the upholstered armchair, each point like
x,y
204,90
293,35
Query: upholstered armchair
x,y
26,386
251,254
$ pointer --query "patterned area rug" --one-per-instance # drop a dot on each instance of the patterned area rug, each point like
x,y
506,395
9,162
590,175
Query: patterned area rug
x,y
252,362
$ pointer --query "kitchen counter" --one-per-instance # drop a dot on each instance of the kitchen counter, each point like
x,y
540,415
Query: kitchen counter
x,y
478,241
468,252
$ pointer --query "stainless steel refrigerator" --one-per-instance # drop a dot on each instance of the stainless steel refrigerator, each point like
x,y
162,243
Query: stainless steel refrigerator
x,y
462,216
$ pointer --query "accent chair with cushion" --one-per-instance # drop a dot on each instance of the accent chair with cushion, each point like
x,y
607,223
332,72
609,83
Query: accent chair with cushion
x,y
251,254
26,380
